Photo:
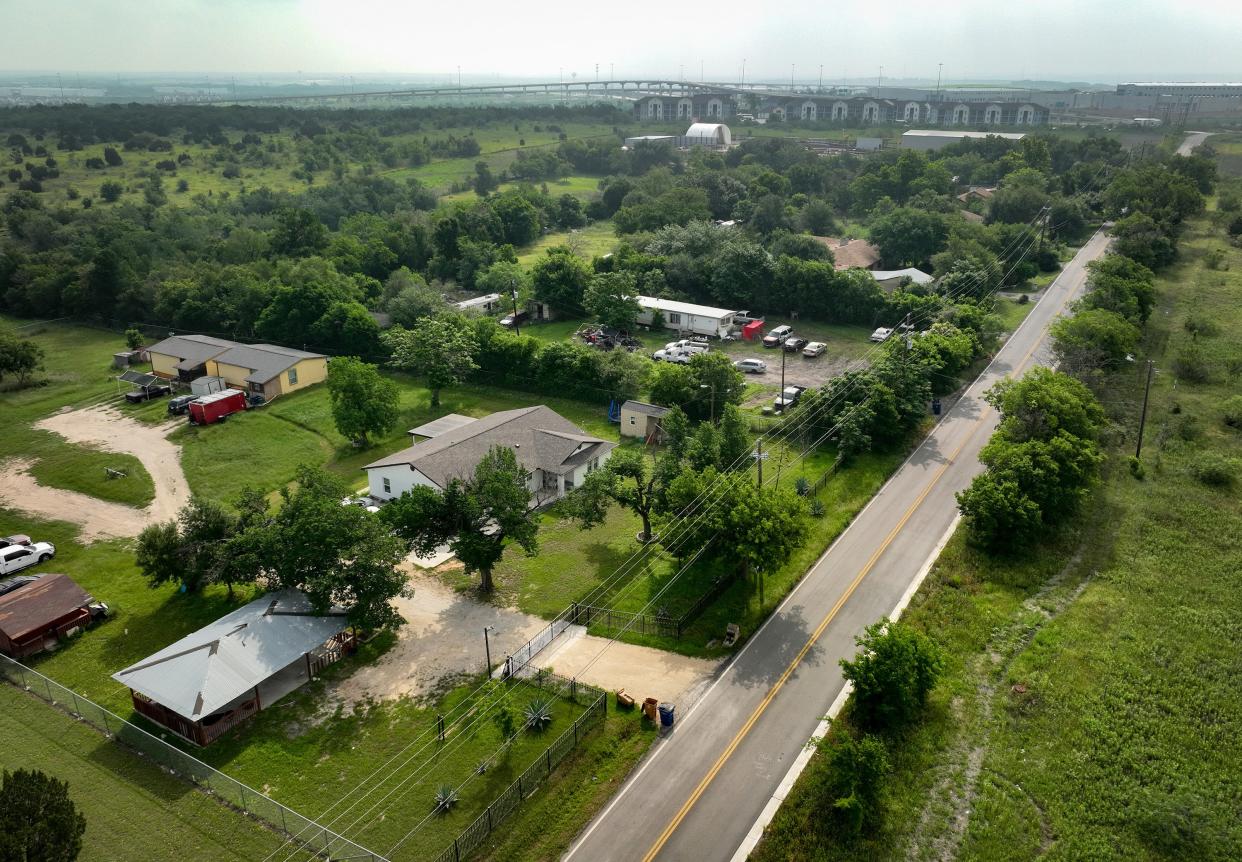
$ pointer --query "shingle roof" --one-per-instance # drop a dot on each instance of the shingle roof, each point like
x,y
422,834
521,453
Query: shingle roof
x,y
443,425
211,668
645,408
39,603
191,350
540,437
265,361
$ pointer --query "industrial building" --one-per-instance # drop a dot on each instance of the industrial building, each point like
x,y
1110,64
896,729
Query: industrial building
x,y
1179,88
712,136
934,139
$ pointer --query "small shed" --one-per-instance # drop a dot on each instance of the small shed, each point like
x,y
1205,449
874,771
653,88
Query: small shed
x,y
753,331
207,384
642,420
35,616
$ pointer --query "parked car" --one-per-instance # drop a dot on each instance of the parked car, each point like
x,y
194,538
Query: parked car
x,y
688,345
361,502
16,582
181,404
15,539
815,348
159,390
777,336
881,334
787,398
678,356
751,366
99,610
793,344
511,320
18,557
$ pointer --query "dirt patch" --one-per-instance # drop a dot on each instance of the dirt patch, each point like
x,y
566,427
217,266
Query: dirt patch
x,y
109,430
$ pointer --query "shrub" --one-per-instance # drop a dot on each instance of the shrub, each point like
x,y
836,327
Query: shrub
x,y
817,508
111,191
538,714
854,780
1214,469
895,669
1191,365
1136,468
1198,325
1215,259
446,798
802,486
1233,411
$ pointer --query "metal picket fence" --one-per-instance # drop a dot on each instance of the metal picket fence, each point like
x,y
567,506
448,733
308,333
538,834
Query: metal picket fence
x,y
308,834
507,802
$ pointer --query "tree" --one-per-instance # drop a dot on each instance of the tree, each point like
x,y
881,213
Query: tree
x,y
342,555
560,278
895,669
190,550
363,401
760,528
441,349
1140,237
1043,403
909,237
854,779
133,338
111,191
408,298
38,820
20,357
612,298
626,479
1091,340
477,517
299,232
112,157
484,182
713,382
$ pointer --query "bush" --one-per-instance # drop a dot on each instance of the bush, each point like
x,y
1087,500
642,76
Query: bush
x,y
1136,468
1215,259
1214,469
1198,325
1233,411
1191,365
854,780
895,669
111,191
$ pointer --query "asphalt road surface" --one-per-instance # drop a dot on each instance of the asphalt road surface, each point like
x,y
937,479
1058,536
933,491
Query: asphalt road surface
x,y
1193,139
699,791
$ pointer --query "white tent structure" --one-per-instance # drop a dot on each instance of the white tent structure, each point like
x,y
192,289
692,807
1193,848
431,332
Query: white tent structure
x,y
712,135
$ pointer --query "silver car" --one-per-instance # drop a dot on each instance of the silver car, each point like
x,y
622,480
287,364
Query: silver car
x,y
751,366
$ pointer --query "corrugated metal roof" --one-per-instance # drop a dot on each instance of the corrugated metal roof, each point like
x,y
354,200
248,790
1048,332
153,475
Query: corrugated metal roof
x,y
265,361
191,350
645,408
209,669
40,603
683,307
915,275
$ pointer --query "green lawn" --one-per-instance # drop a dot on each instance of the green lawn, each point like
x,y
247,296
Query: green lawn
x,y
80,468
579,186
1095,677
595,239
133,809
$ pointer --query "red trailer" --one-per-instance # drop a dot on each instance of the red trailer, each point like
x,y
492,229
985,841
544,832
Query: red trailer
x,y
753,331
217,406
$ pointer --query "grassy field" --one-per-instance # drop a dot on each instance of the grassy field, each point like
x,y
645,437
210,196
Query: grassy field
x,y
594,239
80,468
1093,681
579,186
133,809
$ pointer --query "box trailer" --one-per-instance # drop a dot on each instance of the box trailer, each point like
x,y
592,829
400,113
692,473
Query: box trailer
x,y
217,406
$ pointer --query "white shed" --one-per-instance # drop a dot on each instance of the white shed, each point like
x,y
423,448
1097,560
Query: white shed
x,y
686,316
715,135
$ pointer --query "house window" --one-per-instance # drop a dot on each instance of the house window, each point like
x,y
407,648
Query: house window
x,y
633,421
387,485
293,376
673,319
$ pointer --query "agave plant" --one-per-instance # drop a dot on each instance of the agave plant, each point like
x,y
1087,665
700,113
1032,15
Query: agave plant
x,y
538,714
446,798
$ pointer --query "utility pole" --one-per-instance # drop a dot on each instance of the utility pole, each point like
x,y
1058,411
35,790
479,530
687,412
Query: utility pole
x,y
879,82
821,77
742,83
1138,450
1043,229
782,395
939,69
759,459
792,67
487,647
513,293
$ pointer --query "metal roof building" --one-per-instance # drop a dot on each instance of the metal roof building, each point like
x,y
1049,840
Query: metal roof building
x,y
220,675
686,316
934,139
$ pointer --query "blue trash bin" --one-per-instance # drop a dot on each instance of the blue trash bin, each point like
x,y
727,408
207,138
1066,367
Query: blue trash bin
x,y
936,406
666,714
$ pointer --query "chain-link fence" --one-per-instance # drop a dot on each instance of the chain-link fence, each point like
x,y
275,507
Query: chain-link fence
x,y
504,804
306,833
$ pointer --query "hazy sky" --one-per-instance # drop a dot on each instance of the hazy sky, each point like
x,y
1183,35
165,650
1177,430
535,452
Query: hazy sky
x,y
1100,40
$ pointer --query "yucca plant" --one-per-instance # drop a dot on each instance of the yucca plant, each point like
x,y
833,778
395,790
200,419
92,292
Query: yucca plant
x,y
446,798
538,714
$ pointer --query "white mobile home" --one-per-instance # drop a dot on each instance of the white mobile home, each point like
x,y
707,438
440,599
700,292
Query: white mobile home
x,y
686,316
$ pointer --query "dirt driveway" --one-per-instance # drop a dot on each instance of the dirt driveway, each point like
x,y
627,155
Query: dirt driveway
x,y
106,429
443,636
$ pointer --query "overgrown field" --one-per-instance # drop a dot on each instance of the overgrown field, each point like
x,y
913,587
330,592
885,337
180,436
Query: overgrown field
x,y
1090,707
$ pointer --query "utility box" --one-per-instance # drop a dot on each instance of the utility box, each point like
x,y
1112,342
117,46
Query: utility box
x,y
217,407
207,385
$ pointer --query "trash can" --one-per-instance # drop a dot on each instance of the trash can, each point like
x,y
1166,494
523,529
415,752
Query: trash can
x,y
936,406
666,715
649,708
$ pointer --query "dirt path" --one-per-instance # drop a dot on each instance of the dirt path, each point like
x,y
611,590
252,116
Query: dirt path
x,y
106,429
443,637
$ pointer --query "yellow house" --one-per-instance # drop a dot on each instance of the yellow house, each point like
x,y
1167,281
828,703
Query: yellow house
x,y
267,369
263,368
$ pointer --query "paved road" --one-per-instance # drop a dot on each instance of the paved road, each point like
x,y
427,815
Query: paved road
x,y
1193,139
699,791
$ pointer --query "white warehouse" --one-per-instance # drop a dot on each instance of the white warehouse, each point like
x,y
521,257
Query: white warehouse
x,y
687,317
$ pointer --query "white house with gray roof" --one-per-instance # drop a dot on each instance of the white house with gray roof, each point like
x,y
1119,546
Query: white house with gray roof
x,y
556,453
